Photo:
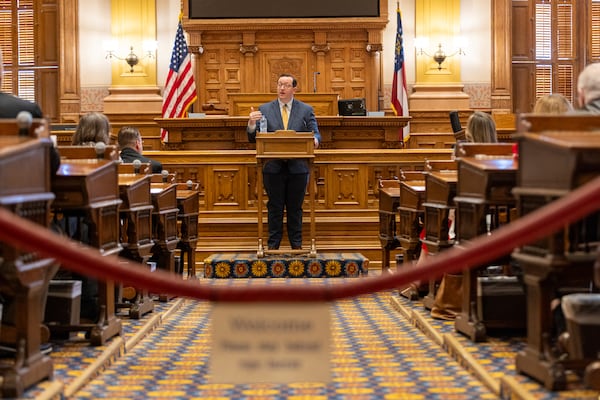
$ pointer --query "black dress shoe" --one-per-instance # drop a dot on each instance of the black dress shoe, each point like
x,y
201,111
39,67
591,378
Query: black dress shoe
x,y
296,247
273,248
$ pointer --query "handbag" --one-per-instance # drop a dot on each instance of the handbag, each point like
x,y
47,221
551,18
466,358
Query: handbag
x,y
448,298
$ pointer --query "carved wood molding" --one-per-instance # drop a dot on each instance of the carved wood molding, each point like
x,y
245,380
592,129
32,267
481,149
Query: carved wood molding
x,y
320,48
248,49
373,47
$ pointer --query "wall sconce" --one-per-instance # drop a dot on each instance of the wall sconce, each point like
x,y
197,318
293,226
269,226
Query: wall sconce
x,y
131,59
440,55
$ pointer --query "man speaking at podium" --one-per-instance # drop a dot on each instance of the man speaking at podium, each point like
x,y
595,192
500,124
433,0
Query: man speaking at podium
x,y
285,180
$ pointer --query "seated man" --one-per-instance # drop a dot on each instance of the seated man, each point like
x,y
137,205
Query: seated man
x,y
130,144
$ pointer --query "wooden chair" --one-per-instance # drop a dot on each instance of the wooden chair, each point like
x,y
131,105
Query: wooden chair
x,y
130,168
37,129
539,123
88,152
484,150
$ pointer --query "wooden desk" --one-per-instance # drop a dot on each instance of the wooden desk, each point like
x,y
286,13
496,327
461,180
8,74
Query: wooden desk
x,y
410,212
164,226
484,201
389,201
440,189
87,192
552,165
188,203
24,276
228,133
135,215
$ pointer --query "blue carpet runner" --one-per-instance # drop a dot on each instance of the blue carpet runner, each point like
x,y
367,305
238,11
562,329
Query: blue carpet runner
x,y
383,347
375,355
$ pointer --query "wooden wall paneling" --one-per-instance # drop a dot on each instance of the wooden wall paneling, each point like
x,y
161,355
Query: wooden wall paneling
x,y
347,186
69,89
523,75
47,51
227,185
345,52
523,56
502,37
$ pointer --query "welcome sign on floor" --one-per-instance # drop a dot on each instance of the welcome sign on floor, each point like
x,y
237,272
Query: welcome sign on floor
x,y
270,342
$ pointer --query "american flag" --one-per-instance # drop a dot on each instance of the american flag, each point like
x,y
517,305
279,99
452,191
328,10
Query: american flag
x,y
399,93
180,89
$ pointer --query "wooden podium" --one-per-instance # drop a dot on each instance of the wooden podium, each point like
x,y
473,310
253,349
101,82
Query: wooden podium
x,y
285,145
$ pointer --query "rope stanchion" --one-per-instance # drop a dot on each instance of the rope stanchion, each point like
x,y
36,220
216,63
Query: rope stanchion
x,y
24,234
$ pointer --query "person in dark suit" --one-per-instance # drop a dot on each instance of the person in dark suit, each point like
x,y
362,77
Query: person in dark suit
x,y
131,145
285,181
11,106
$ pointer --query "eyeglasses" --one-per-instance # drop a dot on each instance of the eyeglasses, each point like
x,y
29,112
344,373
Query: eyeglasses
x,y
284,86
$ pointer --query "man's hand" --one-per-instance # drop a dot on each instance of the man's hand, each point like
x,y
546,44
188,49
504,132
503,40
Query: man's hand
x,y
254,117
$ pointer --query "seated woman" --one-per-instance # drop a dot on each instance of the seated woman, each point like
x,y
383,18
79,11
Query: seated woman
x,y
554,103
93,127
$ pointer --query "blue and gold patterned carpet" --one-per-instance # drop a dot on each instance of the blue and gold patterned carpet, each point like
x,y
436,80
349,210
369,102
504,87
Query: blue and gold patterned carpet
x,y
383,347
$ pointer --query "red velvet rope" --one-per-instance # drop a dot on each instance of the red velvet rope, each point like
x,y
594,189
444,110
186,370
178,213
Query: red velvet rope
x,y
29,236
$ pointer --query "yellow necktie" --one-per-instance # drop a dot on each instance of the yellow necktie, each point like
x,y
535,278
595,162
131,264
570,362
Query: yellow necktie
x,y
284,116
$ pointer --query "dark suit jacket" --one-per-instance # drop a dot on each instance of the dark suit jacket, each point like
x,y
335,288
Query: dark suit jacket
x,y
11,105
128,155
301,119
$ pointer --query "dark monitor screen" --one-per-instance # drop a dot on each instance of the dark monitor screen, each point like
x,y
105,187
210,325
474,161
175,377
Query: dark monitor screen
x,y
352,107
214,9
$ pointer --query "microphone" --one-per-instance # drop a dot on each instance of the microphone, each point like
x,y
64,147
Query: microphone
x,y
165,175
189,184
136,166
315,80
100,148
24,120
